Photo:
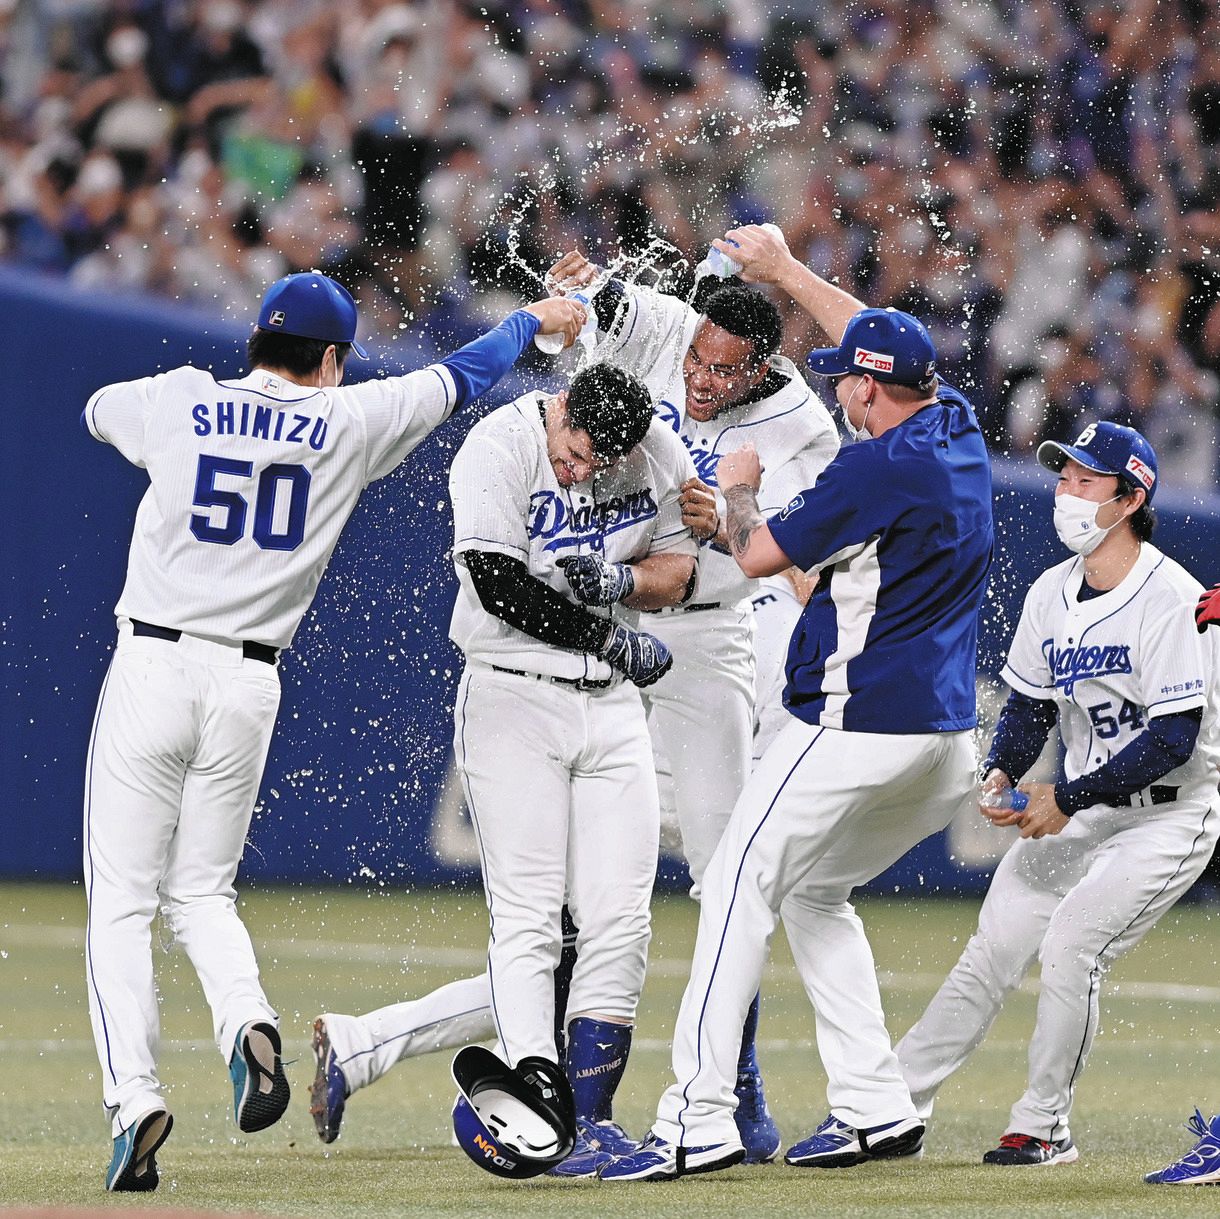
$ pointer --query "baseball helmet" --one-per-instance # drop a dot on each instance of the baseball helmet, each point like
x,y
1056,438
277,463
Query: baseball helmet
x,y
513,1123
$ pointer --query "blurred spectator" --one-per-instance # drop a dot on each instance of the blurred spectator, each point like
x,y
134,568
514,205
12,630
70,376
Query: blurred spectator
x,y
1056,163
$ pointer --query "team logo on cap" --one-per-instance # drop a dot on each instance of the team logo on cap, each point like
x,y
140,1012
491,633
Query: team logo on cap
x,y
874,360
1141,471
276,318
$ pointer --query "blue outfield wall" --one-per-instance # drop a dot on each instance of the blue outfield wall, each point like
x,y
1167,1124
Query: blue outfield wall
x,y
358,787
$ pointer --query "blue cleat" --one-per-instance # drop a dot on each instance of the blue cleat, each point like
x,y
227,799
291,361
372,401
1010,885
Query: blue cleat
x,y
755,1125
260,1087
329,1092
1201,1164
133,1166
834,1144
597,1143
656,1160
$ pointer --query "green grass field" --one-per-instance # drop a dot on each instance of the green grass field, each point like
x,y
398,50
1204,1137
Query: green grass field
x,y
1155,1058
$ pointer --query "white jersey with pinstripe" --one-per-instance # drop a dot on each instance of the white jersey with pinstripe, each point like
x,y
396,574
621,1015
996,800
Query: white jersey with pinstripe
x,y
252,482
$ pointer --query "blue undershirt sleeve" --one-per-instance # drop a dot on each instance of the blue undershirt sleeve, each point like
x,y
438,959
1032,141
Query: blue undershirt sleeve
x,y
1024,725
476,367
1166,745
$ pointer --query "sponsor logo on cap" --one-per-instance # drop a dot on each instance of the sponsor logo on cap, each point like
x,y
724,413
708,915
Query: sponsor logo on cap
x,y
276,318
1141,471
873,359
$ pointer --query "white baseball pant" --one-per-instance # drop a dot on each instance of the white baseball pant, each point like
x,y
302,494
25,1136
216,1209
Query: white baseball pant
x,y
561,791
701,717
1076,900
175,759
824,811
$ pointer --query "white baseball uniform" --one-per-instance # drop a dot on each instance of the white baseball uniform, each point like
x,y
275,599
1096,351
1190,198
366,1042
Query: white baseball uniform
x,y
701,714
1079,899
553,744
252,481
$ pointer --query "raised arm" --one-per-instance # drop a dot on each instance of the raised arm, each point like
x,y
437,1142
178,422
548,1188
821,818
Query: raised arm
x,y
766,259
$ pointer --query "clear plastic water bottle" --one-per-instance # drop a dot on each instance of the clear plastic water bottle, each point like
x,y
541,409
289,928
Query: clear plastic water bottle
x,y
552,344
1008,797
719,264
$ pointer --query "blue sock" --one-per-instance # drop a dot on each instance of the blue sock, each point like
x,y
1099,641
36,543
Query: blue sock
x,y
747,1058
597,1057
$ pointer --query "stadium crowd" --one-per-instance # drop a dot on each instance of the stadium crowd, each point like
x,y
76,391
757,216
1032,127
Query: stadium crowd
x,y
1037,178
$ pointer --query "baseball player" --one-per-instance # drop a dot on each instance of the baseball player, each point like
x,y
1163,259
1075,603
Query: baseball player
x,y
878,751
251,482
714,378
1106,647
567,523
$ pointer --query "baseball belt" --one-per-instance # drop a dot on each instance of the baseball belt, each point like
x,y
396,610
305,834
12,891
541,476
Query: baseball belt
x,y
691,609
249,649
580,683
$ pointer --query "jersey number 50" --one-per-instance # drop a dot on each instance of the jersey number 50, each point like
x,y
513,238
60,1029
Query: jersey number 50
x,y
274,483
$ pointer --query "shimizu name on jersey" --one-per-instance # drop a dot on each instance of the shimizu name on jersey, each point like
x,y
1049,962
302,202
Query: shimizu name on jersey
x,y
260,421
507,500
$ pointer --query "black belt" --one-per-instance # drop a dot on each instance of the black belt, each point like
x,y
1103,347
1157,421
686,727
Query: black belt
x,y
581,683
691,609
1159,793
249,649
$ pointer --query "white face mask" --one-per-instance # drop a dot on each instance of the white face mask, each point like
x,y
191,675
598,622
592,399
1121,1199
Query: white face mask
x,y
862,432
1076,522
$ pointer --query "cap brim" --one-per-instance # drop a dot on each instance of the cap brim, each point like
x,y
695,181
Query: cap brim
x,y
1054,456
359,351
828,362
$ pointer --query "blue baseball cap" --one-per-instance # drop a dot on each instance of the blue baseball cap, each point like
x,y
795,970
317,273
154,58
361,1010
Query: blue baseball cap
x,y
884,343
1107,448
311,306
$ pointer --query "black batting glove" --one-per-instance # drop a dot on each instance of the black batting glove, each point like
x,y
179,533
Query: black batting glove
x,y
640,657
596,582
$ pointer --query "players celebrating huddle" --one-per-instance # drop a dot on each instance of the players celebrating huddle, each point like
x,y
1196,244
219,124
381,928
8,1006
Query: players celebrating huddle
x,y
608,541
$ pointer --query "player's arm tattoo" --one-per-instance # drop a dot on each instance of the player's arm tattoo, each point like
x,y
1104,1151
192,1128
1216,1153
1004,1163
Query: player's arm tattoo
x,y
743,516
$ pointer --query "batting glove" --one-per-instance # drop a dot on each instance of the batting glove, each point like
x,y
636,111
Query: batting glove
x,y
640,657
1207,612
596,582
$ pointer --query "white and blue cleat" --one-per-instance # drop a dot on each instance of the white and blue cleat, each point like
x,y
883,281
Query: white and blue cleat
x,y
133,1164
656,1160
260,1087
1201,1164
834,1144
597,1143
329,1091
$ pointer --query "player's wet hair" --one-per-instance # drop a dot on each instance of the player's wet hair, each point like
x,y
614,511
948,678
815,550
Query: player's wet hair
x,y
612,406
749,315
291,352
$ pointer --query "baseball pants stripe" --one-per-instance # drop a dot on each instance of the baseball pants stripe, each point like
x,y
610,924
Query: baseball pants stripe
x,y
824,811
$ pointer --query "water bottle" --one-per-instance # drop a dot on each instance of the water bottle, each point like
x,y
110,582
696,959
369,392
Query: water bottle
x,y
552,344
1008,797
719,264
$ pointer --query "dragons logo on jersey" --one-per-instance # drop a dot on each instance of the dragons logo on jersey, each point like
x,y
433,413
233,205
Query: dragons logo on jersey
x,y
1073,664
563,526
705,462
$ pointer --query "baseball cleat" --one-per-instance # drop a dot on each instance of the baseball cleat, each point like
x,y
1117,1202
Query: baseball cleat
x,y
1022,1149
260,1087
656,1160
755,1125
1201,1164
834,1144
329,1091
133,1165
597,1143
